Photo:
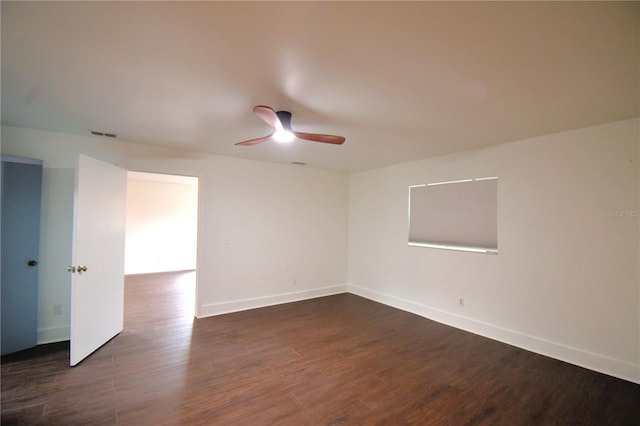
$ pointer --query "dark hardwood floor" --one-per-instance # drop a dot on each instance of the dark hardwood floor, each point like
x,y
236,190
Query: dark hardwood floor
x,y
328,361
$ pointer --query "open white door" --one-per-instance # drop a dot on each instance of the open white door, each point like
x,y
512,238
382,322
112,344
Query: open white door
x,y
97,283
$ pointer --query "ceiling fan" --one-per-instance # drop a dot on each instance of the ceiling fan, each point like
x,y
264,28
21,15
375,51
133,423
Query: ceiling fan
x,y
281,123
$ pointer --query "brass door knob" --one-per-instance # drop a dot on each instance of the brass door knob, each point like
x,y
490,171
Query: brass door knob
x,y
80,269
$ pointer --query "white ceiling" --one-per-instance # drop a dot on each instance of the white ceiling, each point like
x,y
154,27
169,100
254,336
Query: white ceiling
x,y
401,81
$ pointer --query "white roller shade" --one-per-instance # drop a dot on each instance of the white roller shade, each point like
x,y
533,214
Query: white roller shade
x,y
459,215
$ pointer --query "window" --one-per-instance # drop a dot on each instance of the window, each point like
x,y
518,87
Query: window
x,y
455,215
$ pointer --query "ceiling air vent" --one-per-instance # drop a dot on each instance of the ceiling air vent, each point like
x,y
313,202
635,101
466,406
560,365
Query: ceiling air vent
x,y
103,134
297,163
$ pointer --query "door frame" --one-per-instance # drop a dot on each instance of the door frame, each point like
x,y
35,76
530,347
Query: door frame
x,y
168,177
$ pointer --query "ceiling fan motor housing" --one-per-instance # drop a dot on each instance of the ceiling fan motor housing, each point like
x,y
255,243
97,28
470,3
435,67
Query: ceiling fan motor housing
x,y
285,119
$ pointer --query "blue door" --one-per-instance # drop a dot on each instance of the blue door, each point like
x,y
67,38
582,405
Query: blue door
x,y
21,194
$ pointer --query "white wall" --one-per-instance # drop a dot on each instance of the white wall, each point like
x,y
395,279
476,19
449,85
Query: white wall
x,y
162,225
565,282
268,233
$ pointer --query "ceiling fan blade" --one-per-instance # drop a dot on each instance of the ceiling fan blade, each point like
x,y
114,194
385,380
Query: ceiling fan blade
x,y
268,115
254,141
317,137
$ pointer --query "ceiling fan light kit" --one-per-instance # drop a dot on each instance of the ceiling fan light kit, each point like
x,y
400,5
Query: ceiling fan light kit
x,y
284,136
280,121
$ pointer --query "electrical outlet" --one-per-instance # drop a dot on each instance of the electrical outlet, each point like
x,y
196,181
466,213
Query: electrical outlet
x,y
57,309
461,302
295,281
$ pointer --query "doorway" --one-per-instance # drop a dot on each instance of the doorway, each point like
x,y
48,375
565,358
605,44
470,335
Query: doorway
x,y
162,229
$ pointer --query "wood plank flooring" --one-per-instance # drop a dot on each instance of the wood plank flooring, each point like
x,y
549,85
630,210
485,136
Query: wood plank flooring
x,y
328,361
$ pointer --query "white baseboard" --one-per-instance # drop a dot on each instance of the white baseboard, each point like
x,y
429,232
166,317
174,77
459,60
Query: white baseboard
x,y
260,302
592,361
53,334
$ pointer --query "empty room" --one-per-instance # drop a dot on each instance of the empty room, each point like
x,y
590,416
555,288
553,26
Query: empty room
x,y
407,213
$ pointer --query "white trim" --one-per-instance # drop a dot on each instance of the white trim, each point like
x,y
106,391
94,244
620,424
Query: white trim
x,y
592,361
53,334
485,250
450,182
260,302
